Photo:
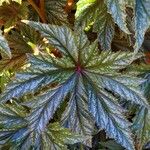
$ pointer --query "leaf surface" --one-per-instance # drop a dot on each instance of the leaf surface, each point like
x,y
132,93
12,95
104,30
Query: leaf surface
x,y
89,82
117,8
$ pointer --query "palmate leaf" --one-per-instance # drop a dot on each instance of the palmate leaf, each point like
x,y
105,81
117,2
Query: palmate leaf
x,y
142,21
95,12
15,132
90,82
109,115
4,47
105,26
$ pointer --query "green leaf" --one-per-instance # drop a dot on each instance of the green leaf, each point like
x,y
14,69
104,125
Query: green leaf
x,y
4,47
117,8
86,12
89,82
61,137
121,87
12,124
146,85
20,47
142,21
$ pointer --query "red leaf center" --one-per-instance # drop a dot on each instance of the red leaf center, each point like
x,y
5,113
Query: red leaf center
x,y
79,68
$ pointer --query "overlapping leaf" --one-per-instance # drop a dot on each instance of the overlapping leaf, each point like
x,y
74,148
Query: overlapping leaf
x,y
81,69
146,85
59,137
93,12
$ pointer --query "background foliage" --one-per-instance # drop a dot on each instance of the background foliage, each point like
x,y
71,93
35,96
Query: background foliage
x,y
74,74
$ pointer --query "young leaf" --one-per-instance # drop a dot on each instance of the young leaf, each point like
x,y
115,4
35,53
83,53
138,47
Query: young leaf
x,y
4,47
81,69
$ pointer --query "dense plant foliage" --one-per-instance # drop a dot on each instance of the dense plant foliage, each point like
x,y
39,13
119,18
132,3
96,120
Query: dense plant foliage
x,y
74,74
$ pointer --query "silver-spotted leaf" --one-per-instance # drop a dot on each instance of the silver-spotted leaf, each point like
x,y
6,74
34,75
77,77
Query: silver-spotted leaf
x,y
81,69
